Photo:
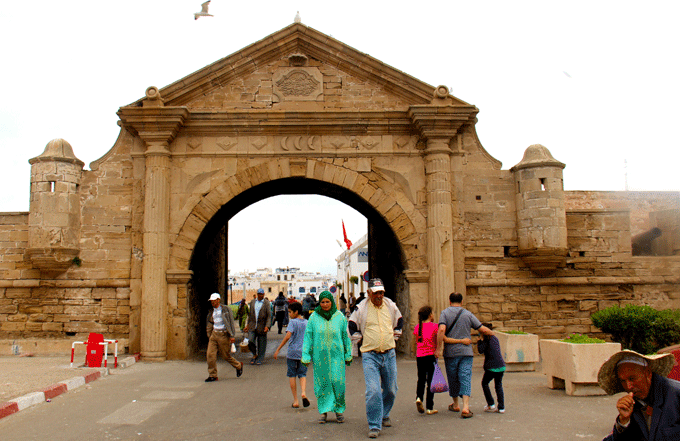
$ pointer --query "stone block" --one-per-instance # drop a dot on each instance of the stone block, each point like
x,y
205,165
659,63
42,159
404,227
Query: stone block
x,y
520,351
576,365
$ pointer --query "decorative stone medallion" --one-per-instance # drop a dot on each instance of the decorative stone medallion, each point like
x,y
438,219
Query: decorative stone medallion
x,y
298,84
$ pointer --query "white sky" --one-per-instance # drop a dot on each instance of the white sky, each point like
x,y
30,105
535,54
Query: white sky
x,y
594,81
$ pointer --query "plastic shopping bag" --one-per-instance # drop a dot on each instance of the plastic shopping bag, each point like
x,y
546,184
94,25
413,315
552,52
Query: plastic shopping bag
x,y
438,381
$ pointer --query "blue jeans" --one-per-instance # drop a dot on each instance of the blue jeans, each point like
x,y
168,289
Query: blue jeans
x,y
459,375
260,342
380,374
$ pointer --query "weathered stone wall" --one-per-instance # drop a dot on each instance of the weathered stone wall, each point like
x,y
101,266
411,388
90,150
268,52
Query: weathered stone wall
x,y
91,297
600,272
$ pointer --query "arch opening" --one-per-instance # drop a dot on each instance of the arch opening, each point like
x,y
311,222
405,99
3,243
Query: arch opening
x,y
210,258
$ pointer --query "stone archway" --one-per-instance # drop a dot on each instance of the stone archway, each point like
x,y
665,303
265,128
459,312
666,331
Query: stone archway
x,y
384,228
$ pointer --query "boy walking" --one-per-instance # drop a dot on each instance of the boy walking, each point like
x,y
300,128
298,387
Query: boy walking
x,y
295,333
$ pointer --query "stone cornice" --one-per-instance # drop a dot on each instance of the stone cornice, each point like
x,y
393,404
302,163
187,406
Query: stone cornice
x,y
154,124
441,121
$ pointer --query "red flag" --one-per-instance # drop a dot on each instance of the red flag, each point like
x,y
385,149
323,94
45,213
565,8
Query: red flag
x,y
344,233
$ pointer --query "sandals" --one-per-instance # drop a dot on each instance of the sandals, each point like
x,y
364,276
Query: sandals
x,y
252,361
467,414
339,417
305,402
322,419
453,409
294,406
419,406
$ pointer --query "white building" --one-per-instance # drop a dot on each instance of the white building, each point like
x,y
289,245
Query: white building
x,y
290,281
353,263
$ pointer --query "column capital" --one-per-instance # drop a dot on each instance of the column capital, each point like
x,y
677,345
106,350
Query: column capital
x,y
156,126
442,122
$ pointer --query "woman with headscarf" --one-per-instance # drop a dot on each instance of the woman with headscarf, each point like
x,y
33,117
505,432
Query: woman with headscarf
x,y
328,347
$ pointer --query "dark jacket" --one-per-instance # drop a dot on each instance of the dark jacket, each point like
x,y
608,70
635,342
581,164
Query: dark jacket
x,y
263,320
491,348
665,415
228,318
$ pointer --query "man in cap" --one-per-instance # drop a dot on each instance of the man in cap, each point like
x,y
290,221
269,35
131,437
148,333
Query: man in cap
x,y
259,318
378,323
221,332
650,409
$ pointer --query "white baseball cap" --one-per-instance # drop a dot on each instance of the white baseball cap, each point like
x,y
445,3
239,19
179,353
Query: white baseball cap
x,y
214,296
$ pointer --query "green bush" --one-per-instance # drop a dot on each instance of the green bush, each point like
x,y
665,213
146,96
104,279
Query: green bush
x,y
640,328
514,332
581,339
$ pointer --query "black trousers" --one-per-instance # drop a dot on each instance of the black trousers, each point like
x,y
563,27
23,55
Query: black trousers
x,y
279,318
425,371
497,378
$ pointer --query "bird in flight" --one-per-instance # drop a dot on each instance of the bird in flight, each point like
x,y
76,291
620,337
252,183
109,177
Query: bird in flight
x,y
204,11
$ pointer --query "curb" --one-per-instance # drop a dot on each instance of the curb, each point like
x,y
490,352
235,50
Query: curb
x,y
20,403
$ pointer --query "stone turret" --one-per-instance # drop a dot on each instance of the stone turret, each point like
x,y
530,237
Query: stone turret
x,y
541,217
54,216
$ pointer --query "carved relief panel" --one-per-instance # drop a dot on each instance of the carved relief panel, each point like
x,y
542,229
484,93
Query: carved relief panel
x,y
298,84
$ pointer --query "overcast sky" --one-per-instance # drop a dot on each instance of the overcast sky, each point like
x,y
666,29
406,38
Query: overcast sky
x,y
594,81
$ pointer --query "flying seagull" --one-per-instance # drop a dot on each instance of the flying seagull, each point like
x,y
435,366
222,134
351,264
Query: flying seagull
x,y
204,11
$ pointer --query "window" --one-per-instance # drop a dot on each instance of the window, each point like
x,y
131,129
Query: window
x,y
301,290
313,289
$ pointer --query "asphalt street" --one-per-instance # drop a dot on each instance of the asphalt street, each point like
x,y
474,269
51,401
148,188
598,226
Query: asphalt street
x,y
171,401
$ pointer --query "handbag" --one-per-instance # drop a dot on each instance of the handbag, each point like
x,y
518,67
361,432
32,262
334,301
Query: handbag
x,y
438,383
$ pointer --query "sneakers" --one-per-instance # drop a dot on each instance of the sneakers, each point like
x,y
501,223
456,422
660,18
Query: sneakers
x,y
493,408
373,433
419,406
209,379
387,422
431,411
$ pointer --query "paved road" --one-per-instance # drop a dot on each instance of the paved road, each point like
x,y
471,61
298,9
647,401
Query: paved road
x,y
170,401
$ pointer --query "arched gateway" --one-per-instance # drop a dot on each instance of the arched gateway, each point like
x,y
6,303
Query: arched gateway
x,y
301,110
117,249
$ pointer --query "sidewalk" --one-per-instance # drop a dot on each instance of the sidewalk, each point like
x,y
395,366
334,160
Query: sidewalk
x,y
27,380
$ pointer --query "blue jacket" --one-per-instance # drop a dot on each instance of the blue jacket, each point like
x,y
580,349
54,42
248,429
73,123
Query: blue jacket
x,y
665,415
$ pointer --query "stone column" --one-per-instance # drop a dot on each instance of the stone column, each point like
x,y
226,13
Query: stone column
x,y
156,250
157,126
439,223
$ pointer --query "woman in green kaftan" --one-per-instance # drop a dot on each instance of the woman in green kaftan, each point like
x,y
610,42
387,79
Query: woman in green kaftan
x,y
327,346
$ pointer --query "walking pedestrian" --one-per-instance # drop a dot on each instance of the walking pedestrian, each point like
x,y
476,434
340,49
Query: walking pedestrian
x,y
426,344
221,335
327,346
295,368
258,326
378,322
455,323
494,367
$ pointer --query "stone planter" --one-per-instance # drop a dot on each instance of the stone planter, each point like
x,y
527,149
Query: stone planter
x,y
520,351
573,366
